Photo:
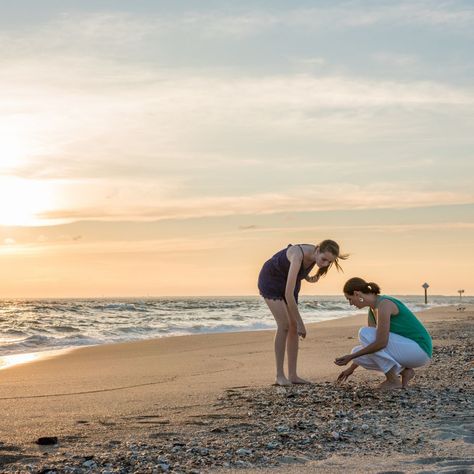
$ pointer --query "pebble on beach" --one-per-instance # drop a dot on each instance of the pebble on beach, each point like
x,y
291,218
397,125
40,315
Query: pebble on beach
x,y
271,426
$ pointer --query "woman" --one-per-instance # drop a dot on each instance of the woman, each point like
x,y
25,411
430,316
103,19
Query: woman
x,y
395,342
279,283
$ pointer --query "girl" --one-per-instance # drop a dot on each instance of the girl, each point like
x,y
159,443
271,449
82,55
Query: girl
x,y
279,283
395,342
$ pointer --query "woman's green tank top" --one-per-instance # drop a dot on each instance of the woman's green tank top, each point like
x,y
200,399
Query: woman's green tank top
x,y
406,324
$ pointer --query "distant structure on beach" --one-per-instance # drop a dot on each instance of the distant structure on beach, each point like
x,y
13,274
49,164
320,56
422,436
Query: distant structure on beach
x,y
426,286
461,307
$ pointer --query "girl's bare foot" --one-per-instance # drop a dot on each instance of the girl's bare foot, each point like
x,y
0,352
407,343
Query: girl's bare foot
x,y
299,380
282,380
389,385
407,375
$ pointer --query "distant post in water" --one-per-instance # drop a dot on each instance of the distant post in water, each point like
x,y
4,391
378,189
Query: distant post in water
x,y
426,286
460,295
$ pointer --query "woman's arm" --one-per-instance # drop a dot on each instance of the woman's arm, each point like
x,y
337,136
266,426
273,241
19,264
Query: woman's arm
x,y
295,257
371,319
385,310
345,374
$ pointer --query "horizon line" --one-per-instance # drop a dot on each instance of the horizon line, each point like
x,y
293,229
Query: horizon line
x,y
3,298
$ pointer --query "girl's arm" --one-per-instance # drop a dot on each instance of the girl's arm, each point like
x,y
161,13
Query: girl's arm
x,y
385,310
295,257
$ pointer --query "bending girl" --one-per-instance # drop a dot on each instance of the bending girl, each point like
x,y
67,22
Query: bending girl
x,y
395,341
279,283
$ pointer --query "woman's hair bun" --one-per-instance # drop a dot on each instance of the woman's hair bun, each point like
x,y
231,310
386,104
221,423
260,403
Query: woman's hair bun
x,y
373,288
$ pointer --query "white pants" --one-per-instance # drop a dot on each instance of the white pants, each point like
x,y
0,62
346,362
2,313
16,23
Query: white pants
x,y
400,352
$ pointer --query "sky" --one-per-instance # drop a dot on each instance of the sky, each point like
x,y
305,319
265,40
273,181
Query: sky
x,y
165,148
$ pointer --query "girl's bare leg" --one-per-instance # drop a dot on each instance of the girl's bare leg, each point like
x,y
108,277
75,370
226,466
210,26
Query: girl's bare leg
x,y
292,349
280,313
292,346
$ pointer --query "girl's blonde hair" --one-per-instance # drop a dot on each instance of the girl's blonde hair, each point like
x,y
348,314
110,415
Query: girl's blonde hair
x,y
331,247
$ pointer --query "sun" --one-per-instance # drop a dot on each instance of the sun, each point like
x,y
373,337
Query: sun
x,y
22,201
12,152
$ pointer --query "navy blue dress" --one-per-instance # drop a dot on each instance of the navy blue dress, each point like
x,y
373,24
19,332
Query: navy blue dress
x,y
274,274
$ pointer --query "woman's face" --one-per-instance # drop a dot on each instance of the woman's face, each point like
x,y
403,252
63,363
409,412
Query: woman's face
x,y
354,300
323,259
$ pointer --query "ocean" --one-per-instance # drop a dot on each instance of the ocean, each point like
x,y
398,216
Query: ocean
x,y
28,326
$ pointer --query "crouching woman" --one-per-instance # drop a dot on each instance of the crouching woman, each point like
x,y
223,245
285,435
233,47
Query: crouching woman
x,y
395,342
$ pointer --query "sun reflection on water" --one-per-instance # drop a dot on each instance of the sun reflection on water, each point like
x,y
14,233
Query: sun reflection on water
x,y
16,359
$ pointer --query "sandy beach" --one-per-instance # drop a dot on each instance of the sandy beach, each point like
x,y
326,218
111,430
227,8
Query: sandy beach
x,y
205,402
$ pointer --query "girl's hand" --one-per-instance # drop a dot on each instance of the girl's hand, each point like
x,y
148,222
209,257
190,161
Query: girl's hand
x,y
344,375
344,360
301,330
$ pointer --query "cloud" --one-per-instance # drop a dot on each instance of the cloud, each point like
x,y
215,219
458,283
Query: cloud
x,y
248,227
141,35
174,117
243,21
395,59
121,243
359,14
74,99
321,198
385,228
168,247
134,133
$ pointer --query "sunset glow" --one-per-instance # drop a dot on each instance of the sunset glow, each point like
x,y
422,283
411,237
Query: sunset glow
x,y
12,151
22,201
17,359
132,164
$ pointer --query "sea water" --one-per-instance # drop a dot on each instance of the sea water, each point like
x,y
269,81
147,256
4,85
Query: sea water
x,y
28,326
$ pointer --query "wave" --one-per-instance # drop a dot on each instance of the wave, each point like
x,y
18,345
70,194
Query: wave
x,y
36,325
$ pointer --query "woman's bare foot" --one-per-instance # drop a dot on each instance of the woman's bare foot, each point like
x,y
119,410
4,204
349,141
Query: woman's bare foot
x,y
392,380
389,385
407,375
299,380
282,380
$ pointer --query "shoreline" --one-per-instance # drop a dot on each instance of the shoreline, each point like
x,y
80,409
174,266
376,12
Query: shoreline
x,y
205,402
11,360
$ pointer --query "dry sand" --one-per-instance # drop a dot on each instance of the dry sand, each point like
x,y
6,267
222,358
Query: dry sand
x,y
192,402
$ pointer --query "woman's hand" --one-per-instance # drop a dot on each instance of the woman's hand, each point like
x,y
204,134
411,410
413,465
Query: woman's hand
x,y
300,329
344,375
344,360
312,279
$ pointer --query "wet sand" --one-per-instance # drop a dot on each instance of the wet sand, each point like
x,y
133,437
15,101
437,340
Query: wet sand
x,y
206,403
